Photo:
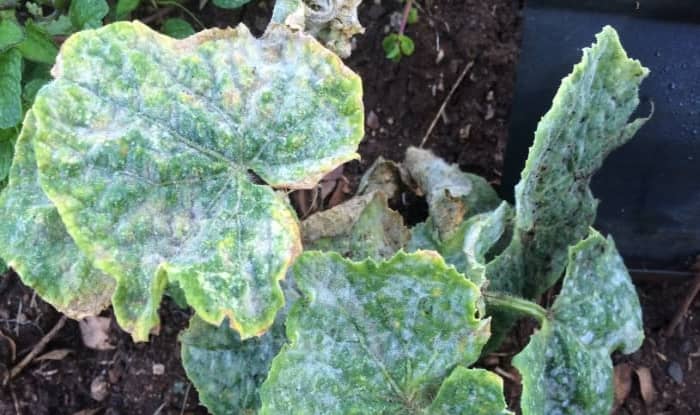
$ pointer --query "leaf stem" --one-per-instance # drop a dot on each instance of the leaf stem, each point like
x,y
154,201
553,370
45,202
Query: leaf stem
x,y
519,305
404,17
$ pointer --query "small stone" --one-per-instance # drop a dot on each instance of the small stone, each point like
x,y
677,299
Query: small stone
x,y
390,121
465,131
490,112
372,120
489,96
675,371
158,369
99,389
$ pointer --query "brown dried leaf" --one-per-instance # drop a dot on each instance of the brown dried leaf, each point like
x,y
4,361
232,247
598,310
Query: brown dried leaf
x,y
646,385
623,384
95,333
58,354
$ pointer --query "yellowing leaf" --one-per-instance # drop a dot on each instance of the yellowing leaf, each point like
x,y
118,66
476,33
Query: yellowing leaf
x,y
149,147
35,242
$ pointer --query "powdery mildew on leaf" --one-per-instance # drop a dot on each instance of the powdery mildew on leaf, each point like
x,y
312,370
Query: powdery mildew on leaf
x,y
472,392
566,367
362,227
226,370
36,244
554,205
373,337
144,144
452,194
332,22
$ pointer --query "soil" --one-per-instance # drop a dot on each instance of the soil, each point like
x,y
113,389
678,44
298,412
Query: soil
x,y
401,101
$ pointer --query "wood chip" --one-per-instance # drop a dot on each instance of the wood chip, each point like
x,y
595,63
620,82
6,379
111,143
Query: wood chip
x,y
99,389
95,333
646,385
58,354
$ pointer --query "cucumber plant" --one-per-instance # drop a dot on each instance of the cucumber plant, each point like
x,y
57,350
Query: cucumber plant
x,y
151,163
364,331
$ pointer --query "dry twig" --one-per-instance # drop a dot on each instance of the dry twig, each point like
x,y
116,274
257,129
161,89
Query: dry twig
x,y
687,302
38,348
444,103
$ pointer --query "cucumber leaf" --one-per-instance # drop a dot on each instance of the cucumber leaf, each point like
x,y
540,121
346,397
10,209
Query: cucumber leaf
x,y
470,391
588,119
566,367
332,22
363,227
373,337
226,370
35,242
452,194
151,158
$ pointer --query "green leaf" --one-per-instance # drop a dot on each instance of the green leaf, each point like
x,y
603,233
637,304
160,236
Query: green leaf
x,y
391,46
10,88
177,28
31,88
553,202
412,16
566,367
363,227
226,370
147,156
61,25
11,34
373,337
7,149
87,14
483,236
406,45
230,4
472,392
38,45
35,242
452,194
125,7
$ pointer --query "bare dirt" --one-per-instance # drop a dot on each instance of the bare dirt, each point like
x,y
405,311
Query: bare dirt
x,y
401,101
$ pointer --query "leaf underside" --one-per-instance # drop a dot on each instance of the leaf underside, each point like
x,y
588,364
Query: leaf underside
x,y
374,337
566,367
145,143
35,242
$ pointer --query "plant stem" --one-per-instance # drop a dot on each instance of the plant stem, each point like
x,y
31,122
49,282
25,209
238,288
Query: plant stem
x,y
519,305
404,17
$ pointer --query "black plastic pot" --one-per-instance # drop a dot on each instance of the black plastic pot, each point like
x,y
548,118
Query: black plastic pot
x,y
650,188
